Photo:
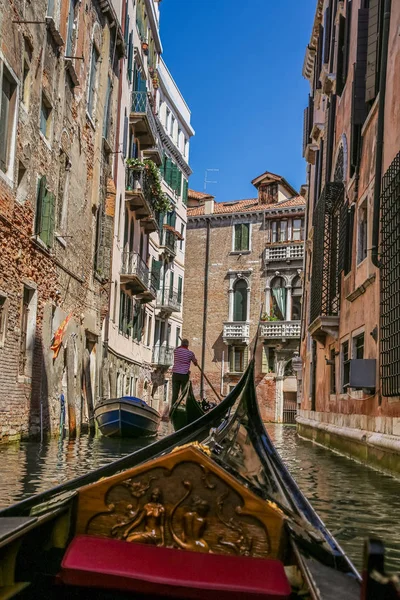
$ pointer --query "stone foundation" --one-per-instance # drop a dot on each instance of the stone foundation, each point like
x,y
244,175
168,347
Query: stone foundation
x,y
374,441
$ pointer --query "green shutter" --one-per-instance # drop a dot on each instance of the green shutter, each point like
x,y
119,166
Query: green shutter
x,y
180,289
121,310
47,221
130,57
168,171
238,238
185,191
155,271
174,176
231,359
171,284
179,182
245,236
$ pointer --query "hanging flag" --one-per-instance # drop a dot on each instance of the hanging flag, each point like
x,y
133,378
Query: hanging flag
x,y
58,336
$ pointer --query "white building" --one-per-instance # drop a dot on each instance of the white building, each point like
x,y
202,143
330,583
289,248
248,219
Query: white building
x,y
145,314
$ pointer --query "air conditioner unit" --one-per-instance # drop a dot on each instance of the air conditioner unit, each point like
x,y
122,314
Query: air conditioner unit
x,y
362,373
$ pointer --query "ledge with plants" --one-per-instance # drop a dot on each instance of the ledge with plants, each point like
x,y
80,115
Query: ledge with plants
x,y
161,202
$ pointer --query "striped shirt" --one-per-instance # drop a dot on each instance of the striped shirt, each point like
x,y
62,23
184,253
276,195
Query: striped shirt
x,y
182,359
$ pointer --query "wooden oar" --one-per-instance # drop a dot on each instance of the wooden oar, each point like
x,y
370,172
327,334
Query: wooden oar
x,y
209,383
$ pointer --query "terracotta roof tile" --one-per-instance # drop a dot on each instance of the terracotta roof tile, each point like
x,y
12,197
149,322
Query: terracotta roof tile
x,y
198,195
249,204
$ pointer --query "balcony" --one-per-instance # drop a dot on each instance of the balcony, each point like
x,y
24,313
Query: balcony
x,y
236,332
285,253
168,243
169,301
139,198
163,356
279,330
143,119
135,276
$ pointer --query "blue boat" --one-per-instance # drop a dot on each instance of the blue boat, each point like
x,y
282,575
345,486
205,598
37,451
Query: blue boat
x,y
127,417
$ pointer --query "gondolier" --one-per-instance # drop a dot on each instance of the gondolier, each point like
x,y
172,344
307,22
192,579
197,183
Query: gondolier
x,y
180,371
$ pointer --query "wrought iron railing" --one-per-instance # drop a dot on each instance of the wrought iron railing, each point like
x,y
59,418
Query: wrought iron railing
x,y
133,264
169,299
163,356
235,331
280,329
169,241
141,105
287,252
390,276
136,179
330,225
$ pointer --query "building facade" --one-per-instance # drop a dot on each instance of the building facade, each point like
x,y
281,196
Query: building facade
x,y
58,63
152,171
350,328
244,264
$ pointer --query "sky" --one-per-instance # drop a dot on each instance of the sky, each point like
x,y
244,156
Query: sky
x,y
238,64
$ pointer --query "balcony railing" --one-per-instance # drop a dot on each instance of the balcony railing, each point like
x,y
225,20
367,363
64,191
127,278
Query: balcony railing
x,y
284,253
234,331
135,274
163,356
145,123
280,329
140,198
168,241
169,300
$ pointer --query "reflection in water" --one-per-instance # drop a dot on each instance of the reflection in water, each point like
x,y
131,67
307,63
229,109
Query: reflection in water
x,y
352,500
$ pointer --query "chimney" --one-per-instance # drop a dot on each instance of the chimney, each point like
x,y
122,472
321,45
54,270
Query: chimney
x,y
209,206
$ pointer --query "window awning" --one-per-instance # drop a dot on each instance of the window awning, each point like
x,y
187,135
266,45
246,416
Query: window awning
x,y
174,231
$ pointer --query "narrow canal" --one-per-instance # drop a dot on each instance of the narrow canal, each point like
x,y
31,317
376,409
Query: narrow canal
x,y
353,501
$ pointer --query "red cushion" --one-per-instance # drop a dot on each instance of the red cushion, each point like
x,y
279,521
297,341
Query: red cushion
x,y
119,565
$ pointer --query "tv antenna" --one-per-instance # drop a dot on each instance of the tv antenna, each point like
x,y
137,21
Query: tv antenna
x,y
206,180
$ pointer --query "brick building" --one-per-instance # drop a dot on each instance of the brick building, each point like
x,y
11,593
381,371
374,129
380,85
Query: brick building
x,y
244,263
58,72
350,334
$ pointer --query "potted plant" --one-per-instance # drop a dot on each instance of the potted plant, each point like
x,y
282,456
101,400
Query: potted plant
x,y
145,48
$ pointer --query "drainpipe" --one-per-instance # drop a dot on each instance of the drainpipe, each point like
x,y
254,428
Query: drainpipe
x,y
203,349
380,134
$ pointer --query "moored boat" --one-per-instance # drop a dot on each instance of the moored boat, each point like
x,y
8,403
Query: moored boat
x,y
127,417
207,512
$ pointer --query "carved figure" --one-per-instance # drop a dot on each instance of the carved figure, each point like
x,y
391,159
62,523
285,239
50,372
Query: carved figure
x,y
153,516
193,523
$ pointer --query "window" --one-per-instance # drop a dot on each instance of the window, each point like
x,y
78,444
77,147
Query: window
x,y
44,218
180,280
278,299
297,230
149,328
283,231
358,346
107,118
186,148
268,359
172,126
274,232
167,118
182,234
178,139
178,337
26,75
27,326
63,192
92,80
238,358
242,237
297,289
45,117
240,300
69,49
332,362
345,366
362,245
7,116
3,318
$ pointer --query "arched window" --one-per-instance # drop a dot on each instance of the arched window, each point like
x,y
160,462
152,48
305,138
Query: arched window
x,y
297,289
278,299
240,300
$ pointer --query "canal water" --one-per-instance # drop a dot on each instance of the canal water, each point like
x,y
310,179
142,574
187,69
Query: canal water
x,y
352,500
